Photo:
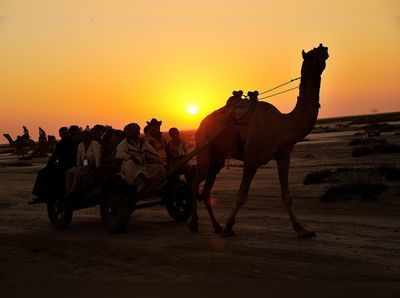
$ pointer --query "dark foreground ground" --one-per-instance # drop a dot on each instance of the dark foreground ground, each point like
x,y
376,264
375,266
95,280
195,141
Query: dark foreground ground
x,y
356,253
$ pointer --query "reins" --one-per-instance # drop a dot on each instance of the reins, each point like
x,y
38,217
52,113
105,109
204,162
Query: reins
x,y
280,85
278,93
277,87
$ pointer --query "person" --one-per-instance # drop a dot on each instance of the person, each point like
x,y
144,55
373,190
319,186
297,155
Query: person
x,y
109,142
109,165
141,163
88,159
25,136
63,155
43,145
75,133
89,151
176,150
42,135
153,136
98,132
176,147
51,177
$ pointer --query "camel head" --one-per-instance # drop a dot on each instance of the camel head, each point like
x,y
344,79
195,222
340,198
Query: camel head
x,y
314,61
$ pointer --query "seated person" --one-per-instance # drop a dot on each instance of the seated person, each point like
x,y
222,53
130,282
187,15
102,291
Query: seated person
x,y
43,145
109,142
153,135
52,175
88,159
98,132
176,149
63,155
141,163
75,133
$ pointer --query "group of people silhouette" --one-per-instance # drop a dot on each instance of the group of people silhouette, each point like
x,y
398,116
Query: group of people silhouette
x,y
83,156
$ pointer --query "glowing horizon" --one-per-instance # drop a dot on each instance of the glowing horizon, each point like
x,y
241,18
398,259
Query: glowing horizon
x,y
68,62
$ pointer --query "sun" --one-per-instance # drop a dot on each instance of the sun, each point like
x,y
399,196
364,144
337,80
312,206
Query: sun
x,y
192,109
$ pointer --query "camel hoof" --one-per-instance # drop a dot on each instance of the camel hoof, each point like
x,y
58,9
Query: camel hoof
x,y
226,233
218,229
193,227
307,235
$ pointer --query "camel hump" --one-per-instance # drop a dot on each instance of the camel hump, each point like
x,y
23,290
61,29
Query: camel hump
x,y
244,111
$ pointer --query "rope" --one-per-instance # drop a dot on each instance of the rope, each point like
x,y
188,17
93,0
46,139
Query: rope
x,y
281,85
278,93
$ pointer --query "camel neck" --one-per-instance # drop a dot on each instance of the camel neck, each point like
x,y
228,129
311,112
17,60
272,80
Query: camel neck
x,y
309,88
305,113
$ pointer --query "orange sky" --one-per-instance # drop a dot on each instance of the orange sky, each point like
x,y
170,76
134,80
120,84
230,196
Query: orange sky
x,y
65,62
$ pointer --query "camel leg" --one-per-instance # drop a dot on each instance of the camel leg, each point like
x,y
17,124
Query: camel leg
x,y
247,177
198,177
194,220
205,195
283,170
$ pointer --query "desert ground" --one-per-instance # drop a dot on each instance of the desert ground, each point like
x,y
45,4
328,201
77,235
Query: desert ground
x,y
356,252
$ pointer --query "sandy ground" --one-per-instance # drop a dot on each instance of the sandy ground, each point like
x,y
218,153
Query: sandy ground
x,y
356,253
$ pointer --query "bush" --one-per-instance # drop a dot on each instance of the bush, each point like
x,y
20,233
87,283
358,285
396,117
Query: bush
x,y
367,141
318,177
377,149
359,191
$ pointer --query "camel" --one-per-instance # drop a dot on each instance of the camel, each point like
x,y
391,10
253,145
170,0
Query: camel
x,y
267,134
22,143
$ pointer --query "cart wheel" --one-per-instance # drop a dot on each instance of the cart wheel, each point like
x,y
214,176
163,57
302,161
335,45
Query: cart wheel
x,y
179,201
115,211
59,213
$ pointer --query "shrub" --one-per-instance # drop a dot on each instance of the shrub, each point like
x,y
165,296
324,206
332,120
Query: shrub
x,y
318,177
360,191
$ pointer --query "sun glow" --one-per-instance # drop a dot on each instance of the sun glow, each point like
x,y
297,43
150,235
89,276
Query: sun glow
x,y
192,109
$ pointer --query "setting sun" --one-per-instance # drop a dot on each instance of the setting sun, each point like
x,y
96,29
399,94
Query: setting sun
x,y
192,109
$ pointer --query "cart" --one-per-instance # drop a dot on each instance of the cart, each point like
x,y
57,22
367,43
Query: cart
x,y
116,199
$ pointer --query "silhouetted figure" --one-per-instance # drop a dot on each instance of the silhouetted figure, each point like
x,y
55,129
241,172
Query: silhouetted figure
x,y
52,143
88,159
176,150
110,141
64,152
52,175
42,148
153,135
97,132
25,134
42,135
75,133
141,163
176,147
